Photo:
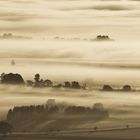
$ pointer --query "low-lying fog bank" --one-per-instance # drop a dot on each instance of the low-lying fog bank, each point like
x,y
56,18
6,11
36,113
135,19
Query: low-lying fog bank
x,y
96,64
55,18
123,107
115,63
61,71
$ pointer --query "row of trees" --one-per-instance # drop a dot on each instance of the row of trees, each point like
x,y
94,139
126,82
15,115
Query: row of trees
x,y
48,83
98,38
51,109
124,88
17,79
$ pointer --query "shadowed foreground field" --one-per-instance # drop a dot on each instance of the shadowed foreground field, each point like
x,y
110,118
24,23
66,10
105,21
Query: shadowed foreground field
x,y
118,134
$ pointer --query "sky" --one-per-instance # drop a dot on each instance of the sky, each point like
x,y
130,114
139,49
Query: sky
x,y
71,18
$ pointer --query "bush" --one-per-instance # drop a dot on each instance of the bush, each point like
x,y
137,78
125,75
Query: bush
x,y
5,128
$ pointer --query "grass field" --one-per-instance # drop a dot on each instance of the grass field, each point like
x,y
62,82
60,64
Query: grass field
x,y
117,134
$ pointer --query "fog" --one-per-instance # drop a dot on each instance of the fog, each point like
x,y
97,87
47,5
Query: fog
x,y
47,18
114,63
120,105
97,63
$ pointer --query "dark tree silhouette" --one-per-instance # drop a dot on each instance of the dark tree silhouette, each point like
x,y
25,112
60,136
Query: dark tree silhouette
x,y
12,79
98,106
30,83
48,83
76,85
5,128
67,84
102,37
107,88
9,114
58,86
126,88
37,78
38,82
54,111
76,110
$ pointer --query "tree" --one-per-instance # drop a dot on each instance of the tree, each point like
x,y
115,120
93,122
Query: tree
x,y
98,106
126,88
30,83
5,128
48,83
12,78
75,84
67,84
37,78
107,88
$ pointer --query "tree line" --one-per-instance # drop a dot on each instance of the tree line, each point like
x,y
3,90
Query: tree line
x,y
53,109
